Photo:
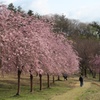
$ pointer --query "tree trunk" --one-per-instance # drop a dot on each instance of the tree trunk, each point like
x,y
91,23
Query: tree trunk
x,y
0,62
82,71
0,57
58,78
40,81
99,75
53,79
85,72
19,74
91,72
31,83
2,72
48,82
94,74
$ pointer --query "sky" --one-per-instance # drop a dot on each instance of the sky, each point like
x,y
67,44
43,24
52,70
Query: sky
x,y
82,10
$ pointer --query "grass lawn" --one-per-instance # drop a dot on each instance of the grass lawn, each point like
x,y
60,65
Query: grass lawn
x,y
8,88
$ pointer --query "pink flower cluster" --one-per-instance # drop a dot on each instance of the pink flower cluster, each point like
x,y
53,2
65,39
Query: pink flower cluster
x,y
26,40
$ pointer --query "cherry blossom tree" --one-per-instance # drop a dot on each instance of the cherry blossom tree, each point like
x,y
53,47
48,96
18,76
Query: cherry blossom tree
x,y
28,44
96,64
16,47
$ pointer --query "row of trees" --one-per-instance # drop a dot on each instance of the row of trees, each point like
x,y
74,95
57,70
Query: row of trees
x,y
95,65
85,37
28,44
19,9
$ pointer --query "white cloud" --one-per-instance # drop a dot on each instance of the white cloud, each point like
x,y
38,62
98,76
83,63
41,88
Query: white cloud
x,y
41,6
86,13
82,10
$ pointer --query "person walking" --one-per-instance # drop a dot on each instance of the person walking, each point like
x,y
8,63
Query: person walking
x,y
81,81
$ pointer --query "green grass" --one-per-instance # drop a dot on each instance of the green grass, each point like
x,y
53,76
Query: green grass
x,y
93,93
89,91
8,88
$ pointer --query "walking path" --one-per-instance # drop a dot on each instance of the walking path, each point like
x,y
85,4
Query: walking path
x,y
74,93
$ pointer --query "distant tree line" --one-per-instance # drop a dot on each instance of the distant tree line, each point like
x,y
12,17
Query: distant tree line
x,y
86,37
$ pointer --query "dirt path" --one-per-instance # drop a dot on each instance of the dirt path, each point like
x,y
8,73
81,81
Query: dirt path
x,y
74,93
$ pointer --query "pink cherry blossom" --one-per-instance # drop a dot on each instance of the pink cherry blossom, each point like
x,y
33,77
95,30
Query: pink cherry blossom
x,y
26,40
